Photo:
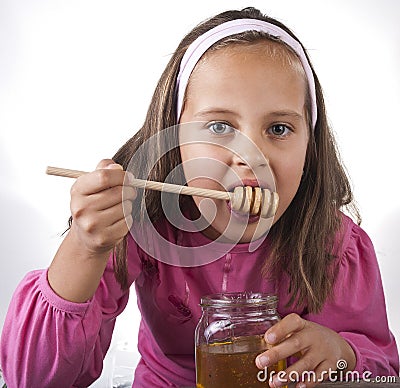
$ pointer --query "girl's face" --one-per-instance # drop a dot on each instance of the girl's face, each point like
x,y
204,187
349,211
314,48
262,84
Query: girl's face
x,y
251,106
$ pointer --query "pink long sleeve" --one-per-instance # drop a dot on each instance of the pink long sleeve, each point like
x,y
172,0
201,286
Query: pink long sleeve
x,y
48,341
357,310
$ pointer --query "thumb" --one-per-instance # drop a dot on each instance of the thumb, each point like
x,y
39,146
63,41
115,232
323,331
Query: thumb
x,y
115,166
108,163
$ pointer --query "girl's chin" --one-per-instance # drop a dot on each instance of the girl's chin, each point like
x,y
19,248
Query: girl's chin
x,y
232,227
235,233
244,218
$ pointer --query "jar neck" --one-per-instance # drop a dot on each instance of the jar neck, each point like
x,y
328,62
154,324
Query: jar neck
x,y
239,304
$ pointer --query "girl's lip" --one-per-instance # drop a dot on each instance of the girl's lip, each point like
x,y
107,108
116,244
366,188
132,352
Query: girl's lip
x,y
246,182
243,216
249,182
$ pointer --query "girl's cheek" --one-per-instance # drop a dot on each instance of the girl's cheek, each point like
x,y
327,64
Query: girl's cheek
x,y
203,162
287,180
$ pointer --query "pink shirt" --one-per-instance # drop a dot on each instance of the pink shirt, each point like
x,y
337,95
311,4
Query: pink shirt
x,y
50,342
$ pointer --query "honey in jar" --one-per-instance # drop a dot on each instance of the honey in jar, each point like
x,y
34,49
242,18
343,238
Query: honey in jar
x,y
229,337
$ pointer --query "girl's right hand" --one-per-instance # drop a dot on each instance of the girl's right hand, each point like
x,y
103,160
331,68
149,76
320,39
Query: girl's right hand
x,y
101,207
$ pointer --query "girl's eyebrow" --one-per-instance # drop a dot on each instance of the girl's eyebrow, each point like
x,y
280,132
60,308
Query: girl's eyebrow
x,y
213,111
286,113
278,113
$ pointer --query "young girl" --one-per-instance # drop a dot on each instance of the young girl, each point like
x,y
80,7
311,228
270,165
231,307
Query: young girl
x,y
250,108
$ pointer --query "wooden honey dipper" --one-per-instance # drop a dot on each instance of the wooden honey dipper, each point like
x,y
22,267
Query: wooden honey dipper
x,y
248,199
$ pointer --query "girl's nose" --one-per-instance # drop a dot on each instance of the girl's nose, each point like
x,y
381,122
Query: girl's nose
x,y
250,160
246,153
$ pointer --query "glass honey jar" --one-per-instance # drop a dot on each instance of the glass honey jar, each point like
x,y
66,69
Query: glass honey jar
x,y
229,337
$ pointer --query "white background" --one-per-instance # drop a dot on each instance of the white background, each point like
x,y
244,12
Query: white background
x,y
76,78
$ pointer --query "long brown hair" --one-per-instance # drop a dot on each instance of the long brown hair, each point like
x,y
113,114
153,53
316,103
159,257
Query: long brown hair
x,y
307,254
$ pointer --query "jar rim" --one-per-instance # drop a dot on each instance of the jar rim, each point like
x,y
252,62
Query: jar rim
x,y
237,299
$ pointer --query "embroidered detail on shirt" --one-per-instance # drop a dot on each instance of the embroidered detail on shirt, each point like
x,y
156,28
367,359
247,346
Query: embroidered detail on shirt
x,y
182,305
226,270
149,268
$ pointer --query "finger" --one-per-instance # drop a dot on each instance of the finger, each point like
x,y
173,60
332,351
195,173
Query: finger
x,y
127,207
321,373
129,193
104,163
110,197
112,235
112,166
290,346
284,328
85,204
301,371
114,214
95,222
98,180
121,228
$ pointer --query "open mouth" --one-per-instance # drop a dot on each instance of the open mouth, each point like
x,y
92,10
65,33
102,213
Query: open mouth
x,y
251,200
243,216
248,182
241,208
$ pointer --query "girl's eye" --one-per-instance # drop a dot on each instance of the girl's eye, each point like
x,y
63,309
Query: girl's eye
x,y
219,128
279,130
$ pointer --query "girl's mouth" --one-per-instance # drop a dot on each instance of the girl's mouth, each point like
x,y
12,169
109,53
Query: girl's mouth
x,y
242,217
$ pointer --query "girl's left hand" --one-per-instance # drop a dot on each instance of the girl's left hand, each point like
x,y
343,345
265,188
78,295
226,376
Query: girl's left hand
x,y
319,348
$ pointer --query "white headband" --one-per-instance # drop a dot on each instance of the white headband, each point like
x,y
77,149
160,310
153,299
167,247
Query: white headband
x,y
205,41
